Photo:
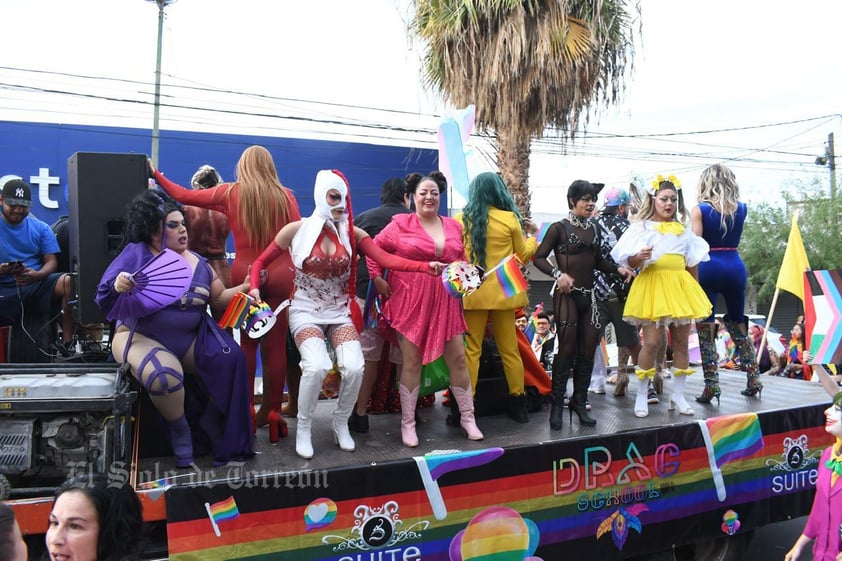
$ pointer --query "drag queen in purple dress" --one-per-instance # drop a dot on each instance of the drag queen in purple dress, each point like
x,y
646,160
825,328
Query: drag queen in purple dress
x,y
194,371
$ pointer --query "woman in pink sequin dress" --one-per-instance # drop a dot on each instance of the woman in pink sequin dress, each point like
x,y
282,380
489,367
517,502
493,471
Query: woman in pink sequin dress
x,y
429,321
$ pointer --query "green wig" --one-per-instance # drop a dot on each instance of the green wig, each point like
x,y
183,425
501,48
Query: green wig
x,y
486,190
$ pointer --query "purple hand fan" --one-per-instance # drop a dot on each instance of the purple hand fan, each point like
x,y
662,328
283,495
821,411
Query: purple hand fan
x,y
159,283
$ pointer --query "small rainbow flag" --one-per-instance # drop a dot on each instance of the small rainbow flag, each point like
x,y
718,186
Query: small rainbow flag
x,y
508,275
729,438
532,327
220,512
236,311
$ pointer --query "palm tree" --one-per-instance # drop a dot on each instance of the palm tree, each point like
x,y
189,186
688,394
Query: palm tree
x,y
528,66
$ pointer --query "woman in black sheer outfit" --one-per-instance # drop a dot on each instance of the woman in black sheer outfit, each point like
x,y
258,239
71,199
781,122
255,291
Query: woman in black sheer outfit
x,y
575,245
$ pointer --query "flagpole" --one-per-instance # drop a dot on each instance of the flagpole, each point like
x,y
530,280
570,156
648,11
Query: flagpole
x,y
212,521
768,324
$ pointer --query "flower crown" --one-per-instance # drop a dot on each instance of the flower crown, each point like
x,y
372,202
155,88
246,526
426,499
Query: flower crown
x,y
656,184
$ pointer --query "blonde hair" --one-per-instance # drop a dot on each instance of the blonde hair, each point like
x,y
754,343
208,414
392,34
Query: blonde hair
x,y
718,187
264,201
647,207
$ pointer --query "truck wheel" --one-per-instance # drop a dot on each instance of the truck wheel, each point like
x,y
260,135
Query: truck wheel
x,y
5,487
717,549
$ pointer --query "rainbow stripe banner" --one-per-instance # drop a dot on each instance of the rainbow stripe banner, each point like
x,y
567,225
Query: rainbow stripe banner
x,y
222,511
729,438
280,521
508,275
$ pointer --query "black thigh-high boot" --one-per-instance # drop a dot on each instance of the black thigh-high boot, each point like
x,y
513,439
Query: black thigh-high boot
x,y
561,371
581,380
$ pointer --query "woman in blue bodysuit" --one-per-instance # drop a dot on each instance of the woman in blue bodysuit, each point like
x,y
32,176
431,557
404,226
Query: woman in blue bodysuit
x,y
719,219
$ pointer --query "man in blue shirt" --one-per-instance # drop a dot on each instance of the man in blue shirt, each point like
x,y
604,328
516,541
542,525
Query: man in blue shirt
x,y
28,248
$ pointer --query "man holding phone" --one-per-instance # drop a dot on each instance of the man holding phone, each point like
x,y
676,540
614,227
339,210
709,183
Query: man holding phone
x,y
28,248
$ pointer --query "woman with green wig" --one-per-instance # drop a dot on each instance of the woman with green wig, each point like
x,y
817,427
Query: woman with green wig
x,y
492,230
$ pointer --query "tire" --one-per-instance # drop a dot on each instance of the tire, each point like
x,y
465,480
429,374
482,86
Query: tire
x,y
5,488
716,549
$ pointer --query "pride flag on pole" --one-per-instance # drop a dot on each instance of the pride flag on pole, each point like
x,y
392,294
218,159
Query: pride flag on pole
x,y
508,275
823,315
220,512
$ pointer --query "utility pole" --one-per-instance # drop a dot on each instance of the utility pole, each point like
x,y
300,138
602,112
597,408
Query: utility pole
x,y
156,134
829,160
831,155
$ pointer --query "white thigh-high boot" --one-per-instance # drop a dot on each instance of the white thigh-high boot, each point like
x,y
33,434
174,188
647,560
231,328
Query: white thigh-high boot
x,y
315,364
349,358
677,399
641,403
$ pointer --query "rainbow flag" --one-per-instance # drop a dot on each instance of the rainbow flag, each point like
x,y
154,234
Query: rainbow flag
x,y
222,511
729,438
508,275
236,311
532,327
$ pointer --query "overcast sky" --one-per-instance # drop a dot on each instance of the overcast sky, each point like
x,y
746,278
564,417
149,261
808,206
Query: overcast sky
x,y
766,74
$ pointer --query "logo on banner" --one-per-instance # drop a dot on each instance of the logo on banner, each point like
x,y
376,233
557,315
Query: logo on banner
x,y
796,469
376,528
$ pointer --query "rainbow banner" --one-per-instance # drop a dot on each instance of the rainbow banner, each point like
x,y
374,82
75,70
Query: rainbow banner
x,y
542,480
220,512
508,275
729,438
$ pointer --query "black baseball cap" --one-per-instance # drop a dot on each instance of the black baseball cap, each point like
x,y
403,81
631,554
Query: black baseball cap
x,y
17,192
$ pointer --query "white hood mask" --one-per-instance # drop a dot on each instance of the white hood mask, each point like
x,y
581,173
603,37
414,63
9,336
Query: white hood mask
x,y
311,227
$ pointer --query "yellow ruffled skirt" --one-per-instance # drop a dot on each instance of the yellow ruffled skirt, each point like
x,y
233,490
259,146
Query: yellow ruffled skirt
x,y
664,293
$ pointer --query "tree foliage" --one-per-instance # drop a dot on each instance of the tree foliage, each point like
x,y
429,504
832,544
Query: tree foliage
x,y
767,229
527,65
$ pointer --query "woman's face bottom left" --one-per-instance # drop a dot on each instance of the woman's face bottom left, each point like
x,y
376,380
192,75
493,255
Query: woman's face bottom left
x,y
73,531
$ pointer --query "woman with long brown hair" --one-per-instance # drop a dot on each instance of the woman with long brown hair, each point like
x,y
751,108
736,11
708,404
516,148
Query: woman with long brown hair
x,y
257,206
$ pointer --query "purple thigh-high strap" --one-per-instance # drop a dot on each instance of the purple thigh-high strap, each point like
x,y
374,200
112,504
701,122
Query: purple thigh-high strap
x,y
159,374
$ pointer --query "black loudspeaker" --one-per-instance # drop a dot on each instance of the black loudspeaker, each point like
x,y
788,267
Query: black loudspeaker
x,y
100,185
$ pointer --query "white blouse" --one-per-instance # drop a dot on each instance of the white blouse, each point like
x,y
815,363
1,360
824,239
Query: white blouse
x,y
664,238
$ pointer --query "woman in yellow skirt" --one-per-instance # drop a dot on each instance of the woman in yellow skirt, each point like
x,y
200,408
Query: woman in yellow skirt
x,y
666,292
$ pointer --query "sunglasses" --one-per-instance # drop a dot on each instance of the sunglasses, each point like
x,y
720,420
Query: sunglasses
x,y
175,225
